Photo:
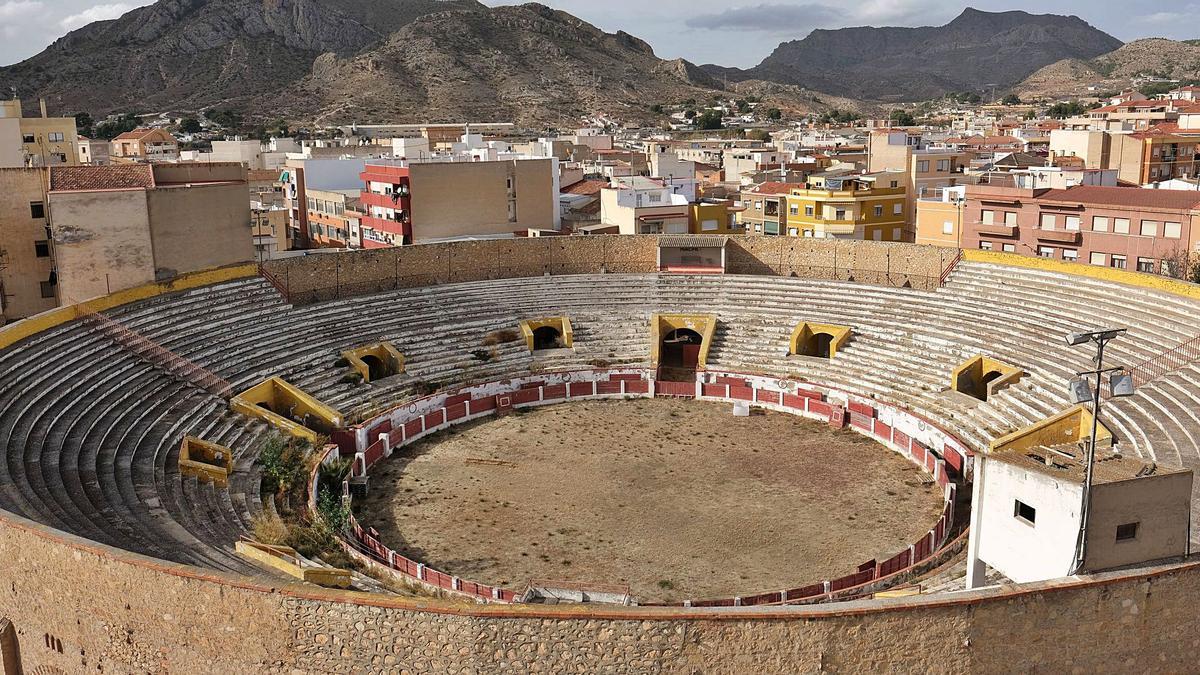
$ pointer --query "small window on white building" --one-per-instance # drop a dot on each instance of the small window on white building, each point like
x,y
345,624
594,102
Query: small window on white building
x,y
1024,512
1127,532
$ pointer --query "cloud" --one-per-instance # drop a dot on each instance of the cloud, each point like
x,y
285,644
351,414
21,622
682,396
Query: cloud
x,y
95,13
13,9
793,19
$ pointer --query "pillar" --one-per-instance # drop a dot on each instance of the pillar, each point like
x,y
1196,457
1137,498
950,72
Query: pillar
x,y
976,569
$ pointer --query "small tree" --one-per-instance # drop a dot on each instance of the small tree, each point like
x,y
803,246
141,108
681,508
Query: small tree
x,y
902,118
709,119
774,114
84,124
190,125
1011,99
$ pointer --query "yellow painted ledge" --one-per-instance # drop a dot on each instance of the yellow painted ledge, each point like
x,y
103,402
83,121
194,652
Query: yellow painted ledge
x,y
286,560
17,331
268,399
561,324
387,354
1140,279
205,460
969,376
662,324
1069,426
806,331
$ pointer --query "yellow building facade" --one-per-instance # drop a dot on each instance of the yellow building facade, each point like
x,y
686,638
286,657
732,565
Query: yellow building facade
x,y
45,140
871,207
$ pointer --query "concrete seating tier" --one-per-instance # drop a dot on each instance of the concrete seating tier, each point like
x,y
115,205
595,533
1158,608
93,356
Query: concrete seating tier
x,y
90,433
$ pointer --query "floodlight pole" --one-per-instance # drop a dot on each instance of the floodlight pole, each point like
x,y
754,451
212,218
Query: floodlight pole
x,y
1101,338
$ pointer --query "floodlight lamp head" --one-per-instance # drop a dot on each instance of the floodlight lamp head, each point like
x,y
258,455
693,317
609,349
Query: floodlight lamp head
x,y
1120,384
1080,390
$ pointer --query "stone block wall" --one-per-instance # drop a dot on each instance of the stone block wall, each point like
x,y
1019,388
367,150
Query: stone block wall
x,y
79,607
324,277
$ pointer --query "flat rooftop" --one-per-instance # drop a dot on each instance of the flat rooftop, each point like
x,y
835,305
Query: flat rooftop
x,y
1068,462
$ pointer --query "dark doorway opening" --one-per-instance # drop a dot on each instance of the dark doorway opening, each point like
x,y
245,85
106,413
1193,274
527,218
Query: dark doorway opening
x,y
547,337
376,367
680,355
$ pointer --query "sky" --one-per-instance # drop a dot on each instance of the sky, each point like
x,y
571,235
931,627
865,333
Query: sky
x,y
727,32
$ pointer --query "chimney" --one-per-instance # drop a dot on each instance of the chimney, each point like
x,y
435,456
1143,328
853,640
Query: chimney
x,y
42,103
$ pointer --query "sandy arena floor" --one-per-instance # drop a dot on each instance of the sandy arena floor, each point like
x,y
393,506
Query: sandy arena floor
x,y
677,499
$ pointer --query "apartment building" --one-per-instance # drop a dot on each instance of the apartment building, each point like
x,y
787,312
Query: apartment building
x,y
334,218
406,203
1160,153
35,141
714,216
145,145
84,231
837,204
738,162
639,205
92,152
928,169
1125,228
939,220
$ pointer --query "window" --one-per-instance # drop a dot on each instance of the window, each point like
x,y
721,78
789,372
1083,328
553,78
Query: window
x,y
1118,261
895,184
28,138
897,209
943,165
895,234
1009,248
1024,512
1127,531
55,137
839,214
41,248
1045,252
794,209
878,210
1098,259
922,166
655,198
1149,228
808,210
709,225
758,205
47,289
792,231
1010,218
1048,220
1100,224
985,246
1070,254
948,227
877,235
1121,225
37,210
1145,265
987,217
1172,230
1072,223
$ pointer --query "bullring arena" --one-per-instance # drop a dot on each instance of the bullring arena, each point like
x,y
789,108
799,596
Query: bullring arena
x,y
134,427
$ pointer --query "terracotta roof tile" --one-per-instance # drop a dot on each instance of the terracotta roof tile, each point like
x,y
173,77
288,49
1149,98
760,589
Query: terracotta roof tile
x,y
119,177
776,188
1181,200
585,187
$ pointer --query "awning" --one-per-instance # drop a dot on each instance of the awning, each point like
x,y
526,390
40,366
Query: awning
x,y
693,241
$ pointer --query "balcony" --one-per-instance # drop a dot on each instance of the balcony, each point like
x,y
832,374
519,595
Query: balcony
x,y
384,201
1059,236
995,229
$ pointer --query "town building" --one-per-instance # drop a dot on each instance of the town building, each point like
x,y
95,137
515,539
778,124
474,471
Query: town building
x,y
84,231
714,216
145,145
43,141
939,220
418,202
334,218
1125,228
93,152
1140,157
640,205
839,204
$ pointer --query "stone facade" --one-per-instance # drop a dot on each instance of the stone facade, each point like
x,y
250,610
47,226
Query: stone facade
x,y
78,607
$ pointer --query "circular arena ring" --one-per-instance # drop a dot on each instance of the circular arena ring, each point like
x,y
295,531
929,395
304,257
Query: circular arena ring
x,y
133,428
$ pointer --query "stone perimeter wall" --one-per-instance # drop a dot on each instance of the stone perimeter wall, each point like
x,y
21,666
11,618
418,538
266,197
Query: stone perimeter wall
x,y
324,277
118,612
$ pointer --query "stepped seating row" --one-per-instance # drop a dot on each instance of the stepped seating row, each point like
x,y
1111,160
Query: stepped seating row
x,y
90,433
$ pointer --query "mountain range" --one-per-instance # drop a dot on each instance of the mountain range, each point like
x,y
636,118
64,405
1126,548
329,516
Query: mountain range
x,y
439,60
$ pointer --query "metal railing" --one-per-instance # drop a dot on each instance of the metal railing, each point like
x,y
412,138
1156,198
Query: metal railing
x,y
156,355
1168,361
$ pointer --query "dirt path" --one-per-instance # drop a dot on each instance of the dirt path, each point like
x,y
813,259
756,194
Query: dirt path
x,y
677,499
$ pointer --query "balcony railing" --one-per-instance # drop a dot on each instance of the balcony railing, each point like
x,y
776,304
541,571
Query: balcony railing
x,y
1059,236
997,229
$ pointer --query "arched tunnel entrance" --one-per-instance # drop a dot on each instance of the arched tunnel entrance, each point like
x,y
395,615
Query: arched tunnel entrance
x,y
547,337
680,354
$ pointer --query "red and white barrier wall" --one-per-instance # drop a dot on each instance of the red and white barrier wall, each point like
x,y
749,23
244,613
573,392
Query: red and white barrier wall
x,y
937,452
